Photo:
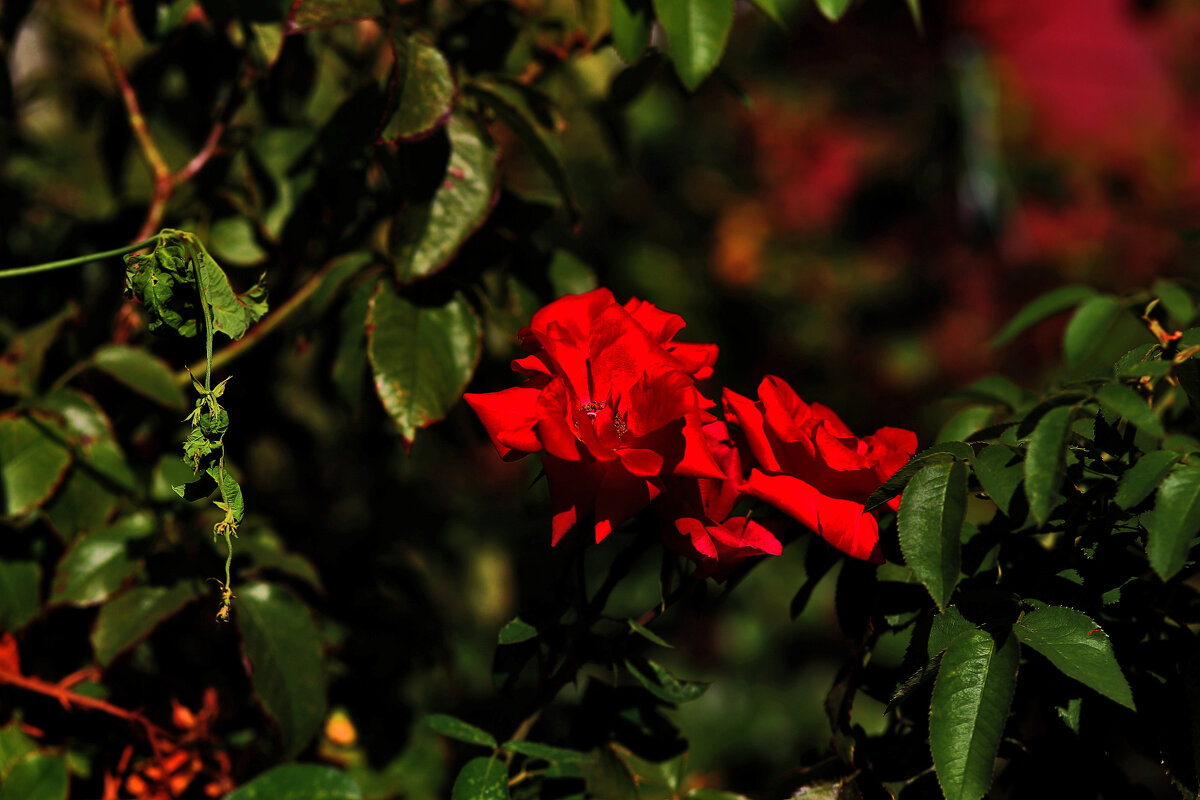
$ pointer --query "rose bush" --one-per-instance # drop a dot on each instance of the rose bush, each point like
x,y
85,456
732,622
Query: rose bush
x,y
610,398
813,468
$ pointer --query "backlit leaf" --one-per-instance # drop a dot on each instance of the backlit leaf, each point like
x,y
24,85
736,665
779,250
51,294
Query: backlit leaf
x,y
1046,460
1073,642
283,648
971,698
426,235
833,9
422,358
696,34
931,517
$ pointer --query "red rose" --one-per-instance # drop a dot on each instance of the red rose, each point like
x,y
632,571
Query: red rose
x,y
813,468
610,398
698,509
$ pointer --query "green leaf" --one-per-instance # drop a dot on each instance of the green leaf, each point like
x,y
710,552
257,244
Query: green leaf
x,y
833,9
482,779
232,313
307,15
941,453
19,597
37,776
21,361
1035,414
14,745
99,563
945,628
570,275
1176,300
298,782
426,235
632,21
130,617
141,372
1045,461
715,794
1088,328
642,630
696,34
32,464
511,109
608,776
963,425
914,8
1124,402
233,238
771,9
1000,471
283,648
517,630
662,684
1047,305
266,551
971,698
1140,480
993,389
422,358
1073,642
422,89
455,728
1175,521
546,752
931,517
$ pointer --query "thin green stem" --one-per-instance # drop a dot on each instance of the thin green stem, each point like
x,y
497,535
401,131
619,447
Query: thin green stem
x,y
77,261
228,556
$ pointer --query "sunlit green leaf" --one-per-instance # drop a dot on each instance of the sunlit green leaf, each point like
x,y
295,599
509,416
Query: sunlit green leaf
x,y
833,9
971,698
1124,402
696,34
517,630
37,776
1088,328
283,648
632,21
130,617
482,779
426,235
1175,521
307,15
455,728
1078,647
1047,305
19,596
941,453
99,563
422,358
945,627
546,752
931,517
298,782
32,464
1045,461
422,89
662,684
1140,480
